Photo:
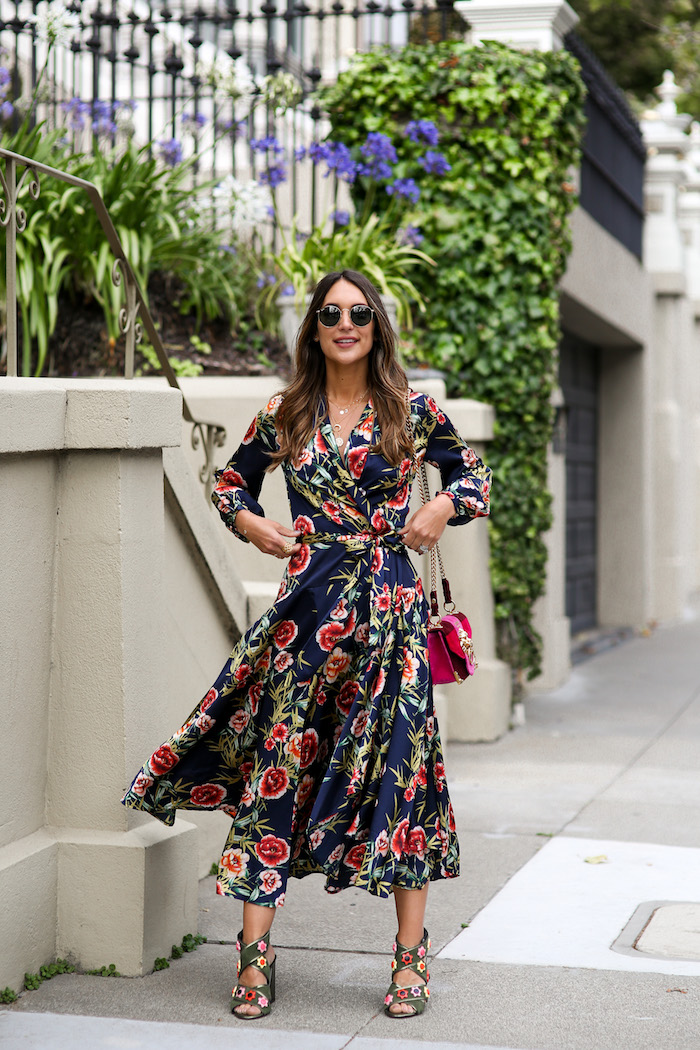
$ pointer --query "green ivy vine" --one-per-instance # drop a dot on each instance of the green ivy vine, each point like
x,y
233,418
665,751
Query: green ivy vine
x,y
510,126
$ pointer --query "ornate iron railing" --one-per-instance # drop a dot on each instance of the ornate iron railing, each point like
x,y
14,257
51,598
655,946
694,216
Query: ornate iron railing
x,y
134,317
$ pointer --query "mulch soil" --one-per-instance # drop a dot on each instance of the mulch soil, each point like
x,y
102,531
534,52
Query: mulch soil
x,y
80,345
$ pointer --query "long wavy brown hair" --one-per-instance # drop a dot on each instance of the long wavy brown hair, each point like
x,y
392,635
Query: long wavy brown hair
x,y
302,409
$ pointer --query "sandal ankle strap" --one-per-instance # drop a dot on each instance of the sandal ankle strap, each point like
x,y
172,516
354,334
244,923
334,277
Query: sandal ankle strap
x,y
414,958
253,954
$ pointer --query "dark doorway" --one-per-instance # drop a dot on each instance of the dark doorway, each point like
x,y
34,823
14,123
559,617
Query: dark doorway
x,y
579,378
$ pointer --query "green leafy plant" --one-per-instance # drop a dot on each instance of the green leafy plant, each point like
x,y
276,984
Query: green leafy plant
x,y
8,996
104,971
33,980
509,125
161,964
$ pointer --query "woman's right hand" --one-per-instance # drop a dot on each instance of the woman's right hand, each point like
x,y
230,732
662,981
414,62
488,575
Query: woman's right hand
x,y
268,536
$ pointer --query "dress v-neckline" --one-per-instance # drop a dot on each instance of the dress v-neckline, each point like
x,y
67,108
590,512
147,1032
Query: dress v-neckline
x,y
345,447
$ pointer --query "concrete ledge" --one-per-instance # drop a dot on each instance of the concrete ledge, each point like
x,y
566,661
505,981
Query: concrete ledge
x,y
43,414
28,883
479,710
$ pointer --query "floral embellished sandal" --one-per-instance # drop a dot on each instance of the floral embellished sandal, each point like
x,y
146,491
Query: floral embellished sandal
x,y
415,995
261,996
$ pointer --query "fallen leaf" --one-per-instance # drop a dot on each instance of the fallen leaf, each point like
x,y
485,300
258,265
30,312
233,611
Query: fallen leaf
x,y
600,859
683,991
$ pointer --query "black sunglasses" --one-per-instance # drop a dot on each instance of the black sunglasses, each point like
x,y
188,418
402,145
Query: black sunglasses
x,y
360,315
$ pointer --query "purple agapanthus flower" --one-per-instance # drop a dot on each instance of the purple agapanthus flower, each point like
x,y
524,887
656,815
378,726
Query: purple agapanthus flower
x,y
435,163
318,152
103,118
340,217
76,111
6,110
274,176
287,289
5,78
422,131
379,154
170,151
404,188
193,120
300,153
266,144
410,235
339,159
265,278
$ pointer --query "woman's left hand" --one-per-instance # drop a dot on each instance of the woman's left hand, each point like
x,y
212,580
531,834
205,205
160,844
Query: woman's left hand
x,y
427,525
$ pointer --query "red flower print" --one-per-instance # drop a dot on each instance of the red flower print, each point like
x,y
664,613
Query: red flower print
x,y
469,457
247,798
332,510
246,768
316,838
204,722
320,697
232,477
141,784
398,839
421,777
282,589
309,747
272,851
439,776
362,633
441,417
336,853
162,760
430,727
408,597
400,500
431,403
298,562
411,665
254,694
379,522
353,858
336,664
285,634
304,789
367,425
383,599
241,672
302,459
263,661
239,720
282,661
346,696
304,524
451,818
404,467
279,903
359,723
273,783
293,746
270,881
274,401
329,634
409,794
341,610
320,443
235,861
209,699
356,461
416,842
279,731
269,744
377,560
250,432
379,683
381,844
207,795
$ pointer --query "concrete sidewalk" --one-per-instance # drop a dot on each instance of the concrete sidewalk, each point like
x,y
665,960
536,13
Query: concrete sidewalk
x,y
575,828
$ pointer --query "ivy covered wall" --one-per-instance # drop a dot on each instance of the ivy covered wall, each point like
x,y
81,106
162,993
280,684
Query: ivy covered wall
x,y
494,215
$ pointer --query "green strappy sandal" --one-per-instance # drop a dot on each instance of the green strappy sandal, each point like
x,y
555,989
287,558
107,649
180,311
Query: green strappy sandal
x,y
416,995
263,995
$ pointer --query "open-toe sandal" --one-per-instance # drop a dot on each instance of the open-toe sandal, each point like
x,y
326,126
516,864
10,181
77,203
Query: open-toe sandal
x,y
416,995
261,996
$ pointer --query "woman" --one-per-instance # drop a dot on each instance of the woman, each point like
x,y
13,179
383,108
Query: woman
x,y
319,738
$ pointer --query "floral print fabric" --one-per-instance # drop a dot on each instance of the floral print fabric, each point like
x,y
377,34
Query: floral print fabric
x,y
319,738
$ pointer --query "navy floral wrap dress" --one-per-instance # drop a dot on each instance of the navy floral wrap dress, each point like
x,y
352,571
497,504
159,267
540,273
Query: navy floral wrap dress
x,y
318,737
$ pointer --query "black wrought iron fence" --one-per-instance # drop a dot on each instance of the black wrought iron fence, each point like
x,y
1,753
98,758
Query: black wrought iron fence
x,y
612,164
201,79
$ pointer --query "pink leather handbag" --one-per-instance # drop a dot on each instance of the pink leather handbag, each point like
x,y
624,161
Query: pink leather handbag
x,y
450,649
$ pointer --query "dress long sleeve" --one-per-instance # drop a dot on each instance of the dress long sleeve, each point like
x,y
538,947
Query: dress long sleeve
x,y
238,485
465,478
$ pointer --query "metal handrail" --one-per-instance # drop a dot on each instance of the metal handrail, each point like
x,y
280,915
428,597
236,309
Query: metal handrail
x,y
132,316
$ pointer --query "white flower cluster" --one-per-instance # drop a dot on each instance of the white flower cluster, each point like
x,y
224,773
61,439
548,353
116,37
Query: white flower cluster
x,y
248,203
229,79
55,25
